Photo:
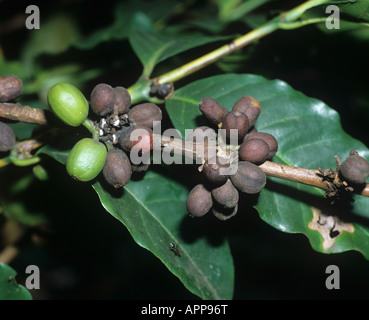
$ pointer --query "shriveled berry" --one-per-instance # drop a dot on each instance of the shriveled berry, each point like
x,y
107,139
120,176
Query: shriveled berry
x,y
122,100
144,114
235,120
254,150
7,137
355,169
68,103
199,201
86,159
223,213
249,106
226,195
212,110
140,167
249,178
269,139
117,170
214,169
138,137
102,99
11,87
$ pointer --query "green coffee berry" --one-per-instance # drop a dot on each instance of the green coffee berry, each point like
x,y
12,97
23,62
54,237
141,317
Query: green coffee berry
x,y
86,159
68,103
7,137
355,169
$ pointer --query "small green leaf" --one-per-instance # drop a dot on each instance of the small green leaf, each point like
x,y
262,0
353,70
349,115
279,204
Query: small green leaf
x,y
309,134
153,47
9,289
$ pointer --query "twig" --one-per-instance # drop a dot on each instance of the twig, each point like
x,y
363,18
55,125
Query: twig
x,y
17,112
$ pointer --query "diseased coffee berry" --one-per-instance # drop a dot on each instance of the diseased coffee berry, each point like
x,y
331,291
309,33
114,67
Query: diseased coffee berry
x,y
86,159
235,120
199,201
249,178
117,170
254,150
11,87
355,169
122,100
269,139
102,99
226,195
138,137
249,106
215,169
140,167
212,110
7,137
68,103
224,213
144,114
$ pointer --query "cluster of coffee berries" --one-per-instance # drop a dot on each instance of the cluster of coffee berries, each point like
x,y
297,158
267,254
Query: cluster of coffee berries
x,y
121,130
221,192
11,87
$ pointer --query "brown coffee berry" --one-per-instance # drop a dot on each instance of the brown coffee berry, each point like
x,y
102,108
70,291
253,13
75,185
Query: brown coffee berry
x,y
11,87
138,137
254,150
102,99
199,201
7,137
224,213
122,100
212,110
144,114
249,106
226,195
269,139
238,121
355,169
249,178
214,169
117,170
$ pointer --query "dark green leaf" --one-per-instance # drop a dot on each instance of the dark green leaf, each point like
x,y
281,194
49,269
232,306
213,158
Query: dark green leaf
x,y
356,9
154,211
153,47
309,135
9,289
